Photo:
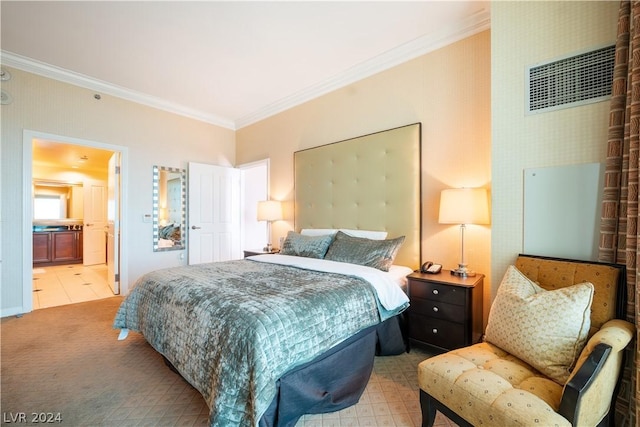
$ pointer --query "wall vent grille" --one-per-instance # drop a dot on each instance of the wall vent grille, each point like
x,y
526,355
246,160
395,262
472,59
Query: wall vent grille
x,y
571,81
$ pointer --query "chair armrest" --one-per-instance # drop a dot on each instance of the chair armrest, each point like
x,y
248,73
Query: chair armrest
x,y
597,368
576,386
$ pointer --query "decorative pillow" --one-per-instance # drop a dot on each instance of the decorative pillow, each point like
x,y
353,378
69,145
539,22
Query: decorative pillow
x,y
357,250
166,231
368,234
546,329
306,246
175,233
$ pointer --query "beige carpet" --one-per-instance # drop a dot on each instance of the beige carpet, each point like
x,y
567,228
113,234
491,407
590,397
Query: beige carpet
x,y
66,363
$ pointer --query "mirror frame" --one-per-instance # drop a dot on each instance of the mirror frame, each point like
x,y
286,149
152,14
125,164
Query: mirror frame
x,y
156,208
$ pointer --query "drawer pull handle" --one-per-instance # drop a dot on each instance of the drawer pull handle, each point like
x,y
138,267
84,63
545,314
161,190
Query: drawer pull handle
x,y
435,309
435,292
434,330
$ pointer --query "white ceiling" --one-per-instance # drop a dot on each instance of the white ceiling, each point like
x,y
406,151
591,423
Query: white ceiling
x,y
228,63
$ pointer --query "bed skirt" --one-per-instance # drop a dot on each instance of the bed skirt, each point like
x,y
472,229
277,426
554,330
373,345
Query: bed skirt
x,y
336,379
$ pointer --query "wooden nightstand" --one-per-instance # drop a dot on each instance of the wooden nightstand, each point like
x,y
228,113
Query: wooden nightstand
x,y
445,310
252,252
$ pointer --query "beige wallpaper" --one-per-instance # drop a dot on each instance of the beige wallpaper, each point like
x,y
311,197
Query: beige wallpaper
x,y
150,137
469,97
523,34
448,91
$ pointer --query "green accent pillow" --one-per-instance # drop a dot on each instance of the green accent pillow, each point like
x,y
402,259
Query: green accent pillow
x,y
306,246
378,254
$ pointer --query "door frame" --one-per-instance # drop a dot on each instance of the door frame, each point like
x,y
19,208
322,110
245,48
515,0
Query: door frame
x,y
264,164
27,208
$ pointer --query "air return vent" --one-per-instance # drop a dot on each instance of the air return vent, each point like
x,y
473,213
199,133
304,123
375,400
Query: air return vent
x,y
571,81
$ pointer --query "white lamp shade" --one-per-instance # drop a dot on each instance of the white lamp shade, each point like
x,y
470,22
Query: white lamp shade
x,y
464,206
269,210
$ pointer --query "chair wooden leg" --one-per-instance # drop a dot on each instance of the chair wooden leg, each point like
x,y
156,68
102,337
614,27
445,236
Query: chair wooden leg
x,y
428,410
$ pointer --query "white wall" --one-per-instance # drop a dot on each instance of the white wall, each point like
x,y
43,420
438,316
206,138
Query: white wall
x,y
523,34
151,137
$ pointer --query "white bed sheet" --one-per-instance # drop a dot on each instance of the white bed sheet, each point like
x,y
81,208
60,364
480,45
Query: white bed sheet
x,y
399,274
386,284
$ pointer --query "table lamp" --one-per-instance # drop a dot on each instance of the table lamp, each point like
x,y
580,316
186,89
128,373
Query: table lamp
x,y
269,210
464,206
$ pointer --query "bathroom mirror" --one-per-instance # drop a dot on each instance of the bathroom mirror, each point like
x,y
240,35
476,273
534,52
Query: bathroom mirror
x,y
169,208
60,201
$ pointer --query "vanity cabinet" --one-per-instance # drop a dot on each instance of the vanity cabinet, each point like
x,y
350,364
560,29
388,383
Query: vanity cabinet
x,y
41,247
57,247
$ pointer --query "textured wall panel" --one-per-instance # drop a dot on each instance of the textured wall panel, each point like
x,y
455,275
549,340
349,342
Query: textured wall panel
x,y
370,182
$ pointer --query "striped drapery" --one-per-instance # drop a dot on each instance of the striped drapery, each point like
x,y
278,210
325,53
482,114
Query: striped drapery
x,y
619,226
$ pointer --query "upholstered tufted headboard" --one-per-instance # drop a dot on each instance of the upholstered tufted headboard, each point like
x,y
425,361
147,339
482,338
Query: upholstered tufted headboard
x,y
370,182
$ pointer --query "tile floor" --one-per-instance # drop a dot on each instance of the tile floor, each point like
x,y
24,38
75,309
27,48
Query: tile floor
x,y
68,284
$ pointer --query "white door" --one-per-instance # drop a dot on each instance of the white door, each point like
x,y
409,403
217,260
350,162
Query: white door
x,y
214,213
95,223
113,224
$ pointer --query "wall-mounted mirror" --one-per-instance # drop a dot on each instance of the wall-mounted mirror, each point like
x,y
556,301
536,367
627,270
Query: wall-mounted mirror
x,y
57,201
169,208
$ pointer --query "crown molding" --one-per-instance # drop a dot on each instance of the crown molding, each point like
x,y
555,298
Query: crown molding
x,y
50,71
429,42
403,53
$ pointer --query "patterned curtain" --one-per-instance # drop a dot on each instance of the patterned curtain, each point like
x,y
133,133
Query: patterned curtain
x,y
619,226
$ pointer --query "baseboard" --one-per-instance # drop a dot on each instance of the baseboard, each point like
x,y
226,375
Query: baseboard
x,y
11,311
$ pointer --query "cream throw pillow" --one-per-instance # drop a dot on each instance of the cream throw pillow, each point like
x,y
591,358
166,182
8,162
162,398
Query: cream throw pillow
x,y
546,329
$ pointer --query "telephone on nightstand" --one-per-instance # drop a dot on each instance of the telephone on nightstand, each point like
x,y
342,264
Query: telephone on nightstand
x,y
430,268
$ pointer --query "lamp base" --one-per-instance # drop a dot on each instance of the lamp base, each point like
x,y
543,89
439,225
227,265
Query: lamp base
x,y
268,248
463,271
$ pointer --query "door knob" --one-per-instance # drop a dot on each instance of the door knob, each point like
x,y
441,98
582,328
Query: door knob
x,y
88,225
193,227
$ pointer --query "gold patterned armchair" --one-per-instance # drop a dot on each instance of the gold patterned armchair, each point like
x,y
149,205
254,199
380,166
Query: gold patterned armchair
x,y
551,355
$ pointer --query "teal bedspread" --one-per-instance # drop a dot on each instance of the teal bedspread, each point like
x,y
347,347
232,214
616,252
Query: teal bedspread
x,y
233,328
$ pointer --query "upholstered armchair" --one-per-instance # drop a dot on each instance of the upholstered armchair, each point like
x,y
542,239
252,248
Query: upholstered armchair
x,y
551,355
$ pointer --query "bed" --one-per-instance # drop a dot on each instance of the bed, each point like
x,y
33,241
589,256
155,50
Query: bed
x,y
269,338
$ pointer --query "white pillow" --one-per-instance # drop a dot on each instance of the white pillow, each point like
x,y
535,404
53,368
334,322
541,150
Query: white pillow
x,y
399,274
318,231
546,329
367,234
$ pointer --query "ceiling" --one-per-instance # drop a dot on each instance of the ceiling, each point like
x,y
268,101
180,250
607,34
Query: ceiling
x,y
228,63
53,154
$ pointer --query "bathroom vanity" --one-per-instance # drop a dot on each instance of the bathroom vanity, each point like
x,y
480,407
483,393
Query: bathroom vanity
x,y
54,245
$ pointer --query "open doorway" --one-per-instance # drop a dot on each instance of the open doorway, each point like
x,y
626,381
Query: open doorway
x,y
254,188
73,257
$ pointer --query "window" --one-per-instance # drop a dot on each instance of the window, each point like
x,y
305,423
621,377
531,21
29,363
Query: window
x,y
48,207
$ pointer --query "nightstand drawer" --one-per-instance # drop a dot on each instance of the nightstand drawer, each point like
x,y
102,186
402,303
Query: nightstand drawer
x,y
437,292
438,310
440,333
445,310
